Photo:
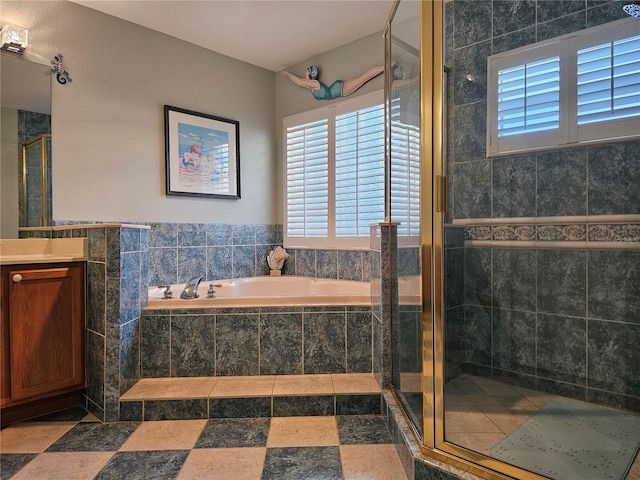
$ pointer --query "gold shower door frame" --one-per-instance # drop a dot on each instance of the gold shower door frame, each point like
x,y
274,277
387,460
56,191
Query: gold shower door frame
x,y
40,141
433,207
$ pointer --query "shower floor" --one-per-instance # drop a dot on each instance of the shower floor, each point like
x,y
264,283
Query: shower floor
x,y
479,413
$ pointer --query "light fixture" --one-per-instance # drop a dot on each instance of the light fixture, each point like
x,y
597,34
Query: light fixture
x,y
632,9
14,39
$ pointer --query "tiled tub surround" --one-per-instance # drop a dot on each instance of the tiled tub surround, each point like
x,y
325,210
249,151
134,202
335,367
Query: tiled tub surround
x,y
255,341
263,291
119,269
180,251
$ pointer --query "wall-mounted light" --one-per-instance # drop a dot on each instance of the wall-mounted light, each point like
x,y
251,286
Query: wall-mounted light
x,y
14,39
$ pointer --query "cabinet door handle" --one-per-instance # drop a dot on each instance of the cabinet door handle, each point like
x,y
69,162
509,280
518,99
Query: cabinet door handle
x,y
17,278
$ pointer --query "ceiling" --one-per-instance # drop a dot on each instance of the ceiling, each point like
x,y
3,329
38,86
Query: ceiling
x,y
272,34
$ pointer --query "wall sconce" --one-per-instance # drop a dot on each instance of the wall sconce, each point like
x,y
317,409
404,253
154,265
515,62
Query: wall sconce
x,y
14,39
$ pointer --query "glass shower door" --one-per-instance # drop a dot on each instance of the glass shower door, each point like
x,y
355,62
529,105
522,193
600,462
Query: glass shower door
x,y
404,183
541,250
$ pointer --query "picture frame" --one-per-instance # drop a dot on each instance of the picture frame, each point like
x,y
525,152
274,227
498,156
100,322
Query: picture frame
x,y
202,154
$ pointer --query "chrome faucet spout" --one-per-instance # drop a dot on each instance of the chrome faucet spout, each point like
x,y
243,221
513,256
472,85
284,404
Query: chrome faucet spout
x,y
191,288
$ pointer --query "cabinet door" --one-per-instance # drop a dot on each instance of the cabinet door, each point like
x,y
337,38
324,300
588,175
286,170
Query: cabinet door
x,y
46,328
5,361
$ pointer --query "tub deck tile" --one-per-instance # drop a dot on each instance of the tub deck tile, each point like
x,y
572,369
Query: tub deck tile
x,y
248,386
170,388
258,396
320,384
355,383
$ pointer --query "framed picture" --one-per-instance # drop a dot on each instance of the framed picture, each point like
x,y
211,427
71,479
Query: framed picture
x,y
202,154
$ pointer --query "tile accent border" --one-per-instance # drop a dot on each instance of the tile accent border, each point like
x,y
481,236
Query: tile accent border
x,y
616,233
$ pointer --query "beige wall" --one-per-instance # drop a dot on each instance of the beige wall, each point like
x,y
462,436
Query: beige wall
x,y
108,124
342,63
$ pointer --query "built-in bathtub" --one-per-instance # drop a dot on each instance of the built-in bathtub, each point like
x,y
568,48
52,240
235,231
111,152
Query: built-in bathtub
x,y
267,291
285,325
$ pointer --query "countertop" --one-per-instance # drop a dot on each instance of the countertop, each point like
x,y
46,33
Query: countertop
x,y
42,250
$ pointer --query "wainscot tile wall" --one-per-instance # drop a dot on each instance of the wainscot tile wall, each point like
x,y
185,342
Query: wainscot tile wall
x,y
384,296
121,262
117,290
563,320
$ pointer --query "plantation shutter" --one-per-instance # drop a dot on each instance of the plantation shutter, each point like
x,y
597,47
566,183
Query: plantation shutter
x,y
609,81
529,97
359,171
307,173
579,88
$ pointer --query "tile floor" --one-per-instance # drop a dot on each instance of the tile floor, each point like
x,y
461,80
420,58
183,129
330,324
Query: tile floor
x,y
72,445
479,413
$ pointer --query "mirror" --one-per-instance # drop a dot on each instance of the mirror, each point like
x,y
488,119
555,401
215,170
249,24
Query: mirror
x,y
25,194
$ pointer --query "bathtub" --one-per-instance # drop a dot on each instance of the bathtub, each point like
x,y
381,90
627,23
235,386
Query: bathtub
x,y
267,291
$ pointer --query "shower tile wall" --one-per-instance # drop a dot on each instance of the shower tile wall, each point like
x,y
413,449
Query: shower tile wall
x,y
561,320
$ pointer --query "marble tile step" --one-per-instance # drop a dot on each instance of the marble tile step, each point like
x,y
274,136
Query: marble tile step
x,y
182,398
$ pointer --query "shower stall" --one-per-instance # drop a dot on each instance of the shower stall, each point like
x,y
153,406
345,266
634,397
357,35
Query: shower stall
x,y
521,358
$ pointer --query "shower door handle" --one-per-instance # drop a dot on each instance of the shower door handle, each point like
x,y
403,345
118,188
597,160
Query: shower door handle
x,y
441,193
441,180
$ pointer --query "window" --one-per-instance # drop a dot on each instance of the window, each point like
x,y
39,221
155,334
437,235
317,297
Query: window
x,y
334,174
582,87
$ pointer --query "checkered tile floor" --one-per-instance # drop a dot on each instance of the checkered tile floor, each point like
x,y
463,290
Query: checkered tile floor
x,y
71,445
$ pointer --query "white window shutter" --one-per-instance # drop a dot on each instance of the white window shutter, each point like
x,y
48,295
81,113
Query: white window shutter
x,y
609,81
582,87
359,170
307,193
529,97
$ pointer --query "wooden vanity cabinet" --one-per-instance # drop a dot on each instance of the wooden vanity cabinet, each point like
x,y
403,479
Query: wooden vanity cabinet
x,y
41,338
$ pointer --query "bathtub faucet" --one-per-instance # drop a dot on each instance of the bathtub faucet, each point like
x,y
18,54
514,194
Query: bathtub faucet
x,y
191,288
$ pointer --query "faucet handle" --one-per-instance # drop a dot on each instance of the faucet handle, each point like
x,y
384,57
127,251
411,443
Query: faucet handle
x,y
168,293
